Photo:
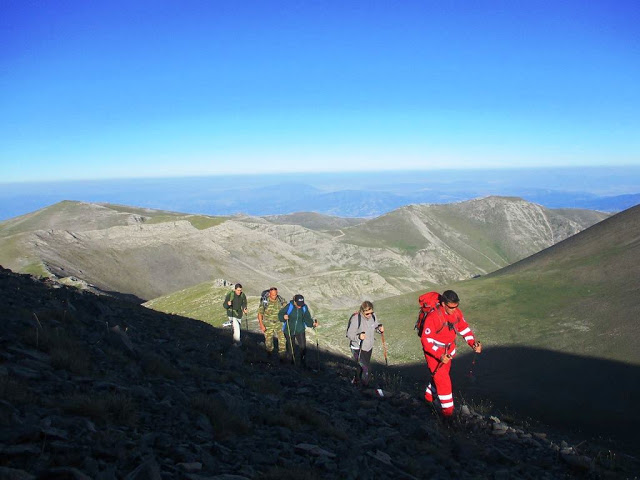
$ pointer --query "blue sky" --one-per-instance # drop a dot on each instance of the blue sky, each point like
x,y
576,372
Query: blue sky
x,y
118,89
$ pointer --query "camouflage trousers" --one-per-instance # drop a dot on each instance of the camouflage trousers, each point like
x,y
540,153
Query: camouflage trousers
x,y
274,329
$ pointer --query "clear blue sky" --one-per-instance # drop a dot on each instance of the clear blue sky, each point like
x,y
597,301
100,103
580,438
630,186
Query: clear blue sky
x,y
108,89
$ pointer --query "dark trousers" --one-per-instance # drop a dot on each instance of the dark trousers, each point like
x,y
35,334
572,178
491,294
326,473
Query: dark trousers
x,y
299,343
363,359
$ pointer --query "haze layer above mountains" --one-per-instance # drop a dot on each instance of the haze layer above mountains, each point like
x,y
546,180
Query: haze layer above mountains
x,y
361,194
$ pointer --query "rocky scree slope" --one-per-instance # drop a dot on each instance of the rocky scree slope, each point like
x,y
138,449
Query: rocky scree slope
x,y
93,387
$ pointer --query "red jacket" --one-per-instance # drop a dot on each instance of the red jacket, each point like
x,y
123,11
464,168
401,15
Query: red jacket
x,y
440,330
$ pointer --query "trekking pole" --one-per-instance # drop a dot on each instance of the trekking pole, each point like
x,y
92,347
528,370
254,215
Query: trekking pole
x,y
293,354
384,346
437,368
317,347
472,379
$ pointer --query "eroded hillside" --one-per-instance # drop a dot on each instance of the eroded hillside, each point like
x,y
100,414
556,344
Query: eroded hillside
x,y
149,254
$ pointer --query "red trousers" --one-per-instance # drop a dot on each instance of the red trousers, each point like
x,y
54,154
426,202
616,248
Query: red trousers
x,y
441,381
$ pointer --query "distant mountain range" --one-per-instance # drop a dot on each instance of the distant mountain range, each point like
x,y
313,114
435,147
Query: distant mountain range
x,y
149,253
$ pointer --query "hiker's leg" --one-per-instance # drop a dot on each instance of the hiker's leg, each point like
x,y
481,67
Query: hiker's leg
x,y
282,342
268,338
356,357
302,344
289,346
236,330
365,362
432,363
442,382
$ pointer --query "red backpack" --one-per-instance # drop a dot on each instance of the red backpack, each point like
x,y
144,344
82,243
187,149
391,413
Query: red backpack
x,y
428,301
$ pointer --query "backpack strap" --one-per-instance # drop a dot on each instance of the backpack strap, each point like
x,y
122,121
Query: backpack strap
x,y
451,325
290,308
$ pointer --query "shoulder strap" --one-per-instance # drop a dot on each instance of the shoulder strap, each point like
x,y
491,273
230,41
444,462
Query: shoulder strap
x,y
351,318
289,308
445,323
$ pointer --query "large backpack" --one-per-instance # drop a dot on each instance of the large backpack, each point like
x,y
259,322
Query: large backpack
x,y
428,301
264,298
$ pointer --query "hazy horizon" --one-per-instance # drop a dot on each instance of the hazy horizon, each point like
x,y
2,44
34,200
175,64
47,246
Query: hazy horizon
x,y
340,193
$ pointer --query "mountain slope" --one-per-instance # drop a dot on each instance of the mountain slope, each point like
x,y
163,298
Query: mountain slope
x,y
92,387
477,236
314,221
559,328
579,296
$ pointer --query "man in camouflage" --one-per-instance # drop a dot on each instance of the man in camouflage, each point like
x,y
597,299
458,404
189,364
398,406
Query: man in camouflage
x,y
270,323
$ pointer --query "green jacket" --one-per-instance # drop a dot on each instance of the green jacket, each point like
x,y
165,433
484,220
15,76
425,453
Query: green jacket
x,y
238,304
299,318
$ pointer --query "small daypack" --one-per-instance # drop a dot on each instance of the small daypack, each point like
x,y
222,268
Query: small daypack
x,y
373,316
230,295
290,309
264,298
428,301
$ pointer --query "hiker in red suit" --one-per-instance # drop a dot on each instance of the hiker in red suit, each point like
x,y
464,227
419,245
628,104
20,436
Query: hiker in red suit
x,y
438,342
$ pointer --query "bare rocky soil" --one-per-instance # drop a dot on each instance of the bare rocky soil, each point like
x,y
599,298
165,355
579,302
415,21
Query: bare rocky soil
x,y
94,387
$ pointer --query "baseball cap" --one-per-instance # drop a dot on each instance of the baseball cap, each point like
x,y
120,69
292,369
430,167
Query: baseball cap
x,y
299,300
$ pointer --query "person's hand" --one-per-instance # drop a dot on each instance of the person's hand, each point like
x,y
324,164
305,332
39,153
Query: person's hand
x,y
286,317
315,323
477,347
229,303
381,329
244,310
446,358
362,336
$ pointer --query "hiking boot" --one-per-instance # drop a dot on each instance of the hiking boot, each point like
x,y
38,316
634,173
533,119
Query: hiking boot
x,y
447,421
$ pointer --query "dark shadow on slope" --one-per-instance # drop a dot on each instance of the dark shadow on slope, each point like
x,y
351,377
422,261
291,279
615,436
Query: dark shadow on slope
x,y
126,297
586,396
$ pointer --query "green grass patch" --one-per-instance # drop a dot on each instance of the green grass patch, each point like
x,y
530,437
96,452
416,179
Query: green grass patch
x,y
202,222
